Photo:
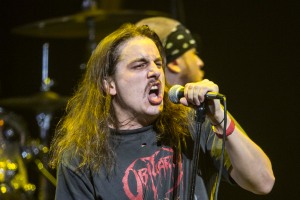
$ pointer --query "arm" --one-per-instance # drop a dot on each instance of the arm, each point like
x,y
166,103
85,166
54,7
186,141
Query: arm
x,y
251,168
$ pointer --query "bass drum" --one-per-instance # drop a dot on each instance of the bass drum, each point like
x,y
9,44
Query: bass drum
x,y
13,173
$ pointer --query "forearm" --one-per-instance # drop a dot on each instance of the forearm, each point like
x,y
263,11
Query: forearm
x,y
251,168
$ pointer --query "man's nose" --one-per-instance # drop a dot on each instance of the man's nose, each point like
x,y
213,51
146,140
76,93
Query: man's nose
x,y
200,62
154,70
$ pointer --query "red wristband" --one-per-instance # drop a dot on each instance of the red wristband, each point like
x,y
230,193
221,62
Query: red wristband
x,y
229,130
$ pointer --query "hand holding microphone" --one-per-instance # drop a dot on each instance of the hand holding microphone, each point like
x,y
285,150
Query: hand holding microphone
x,y
194,93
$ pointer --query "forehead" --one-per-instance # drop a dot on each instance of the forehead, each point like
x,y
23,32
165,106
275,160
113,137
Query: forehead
x,y
189,52
138,46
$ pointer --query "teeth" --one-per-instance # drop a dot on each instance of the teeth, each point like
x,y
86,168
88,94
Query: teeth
x,y
154,87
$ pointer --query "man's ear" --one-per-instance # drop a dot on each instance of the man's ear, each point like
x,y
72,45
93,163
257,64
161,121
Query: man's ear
x,y
110,86
174,67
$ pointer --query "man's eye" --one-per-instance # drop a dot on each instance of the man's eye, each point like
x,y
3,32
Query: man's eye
x,y
140,65
158,64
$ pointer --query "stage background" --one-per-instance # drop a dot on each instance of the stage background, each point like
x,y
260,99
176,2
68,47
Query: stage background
x,y
250,48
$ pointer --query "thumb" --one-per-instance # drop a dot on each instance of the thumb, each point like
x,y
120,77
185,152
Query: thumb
x,y
184,101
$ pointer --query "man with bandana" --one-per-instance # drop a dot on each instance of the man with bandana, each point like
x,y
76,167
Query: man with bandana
x,y
183,63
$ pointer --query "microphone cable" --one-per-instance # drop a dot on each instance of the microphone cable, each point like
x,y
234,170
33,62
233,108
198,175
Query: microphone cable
x,y
222,150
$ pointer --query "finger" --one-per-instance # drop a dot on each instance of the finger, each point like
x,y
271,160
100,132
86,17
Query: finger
x,y
190,93
197,96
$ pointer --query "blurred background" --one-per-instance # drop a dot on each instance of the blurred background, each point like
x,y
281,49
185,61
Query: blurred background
x,y
250,49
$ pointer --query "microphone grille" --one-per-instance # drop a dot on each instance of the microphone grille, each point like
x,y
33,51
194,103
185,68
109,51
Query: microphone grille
x,y
174,93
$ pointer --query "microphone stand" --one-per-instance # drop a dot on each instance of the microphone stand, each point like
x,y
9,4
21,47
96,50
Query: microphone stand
x,y
199,118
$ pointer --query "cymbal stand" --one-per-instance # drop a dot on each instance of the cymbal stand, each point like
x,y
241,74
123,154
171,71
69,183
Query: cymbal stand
x,y
91,25
46,81
43,121
44,118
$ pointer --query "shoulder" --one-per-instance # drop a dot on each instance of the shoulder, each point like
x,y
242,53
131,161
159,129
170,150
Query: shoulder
x,y
70,160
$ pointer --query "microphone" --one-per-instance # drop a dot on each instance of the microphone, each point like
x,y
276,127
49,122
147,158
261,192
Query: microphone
x,y
177,91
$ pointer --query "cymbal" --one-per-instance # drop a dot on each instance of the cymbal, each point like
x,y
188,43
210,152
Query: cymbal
x,y
42,102
77,25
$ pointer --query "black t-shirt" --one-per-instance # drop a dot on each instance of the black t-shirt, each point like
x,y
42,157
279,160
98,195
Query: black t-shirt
x,y
145,169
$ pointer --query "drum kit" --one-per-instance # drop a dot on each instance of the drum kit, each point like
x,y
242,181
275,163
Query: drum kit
x,y
17,148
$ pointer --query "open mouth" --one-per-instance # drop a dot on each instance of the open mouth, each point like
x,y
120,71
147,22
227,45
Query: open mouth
x,y
154,90
155,96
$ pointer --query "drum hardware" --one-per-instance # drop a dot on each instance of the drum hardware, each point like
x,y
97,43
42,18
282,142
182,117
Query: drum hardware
x,y
13,173
44,104
43,119
92,23
75,26
45,101
13,181
33,152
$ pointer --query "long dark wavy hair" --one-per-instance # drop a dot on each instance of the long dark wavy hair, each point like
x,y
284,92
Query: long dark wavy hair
x,y
84,130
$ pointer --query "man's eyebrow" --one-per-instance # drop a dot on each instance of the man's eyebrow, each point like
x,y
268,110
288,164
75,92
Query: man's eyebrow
x,y
140,59
159,59
143,59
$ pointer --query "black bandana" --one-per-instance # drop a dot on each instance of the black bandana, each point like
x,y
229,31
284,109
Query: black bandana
x,y
178,42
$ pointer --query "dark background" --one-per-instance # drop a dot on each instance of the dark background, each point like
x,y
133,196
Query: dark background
x,y
250,48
